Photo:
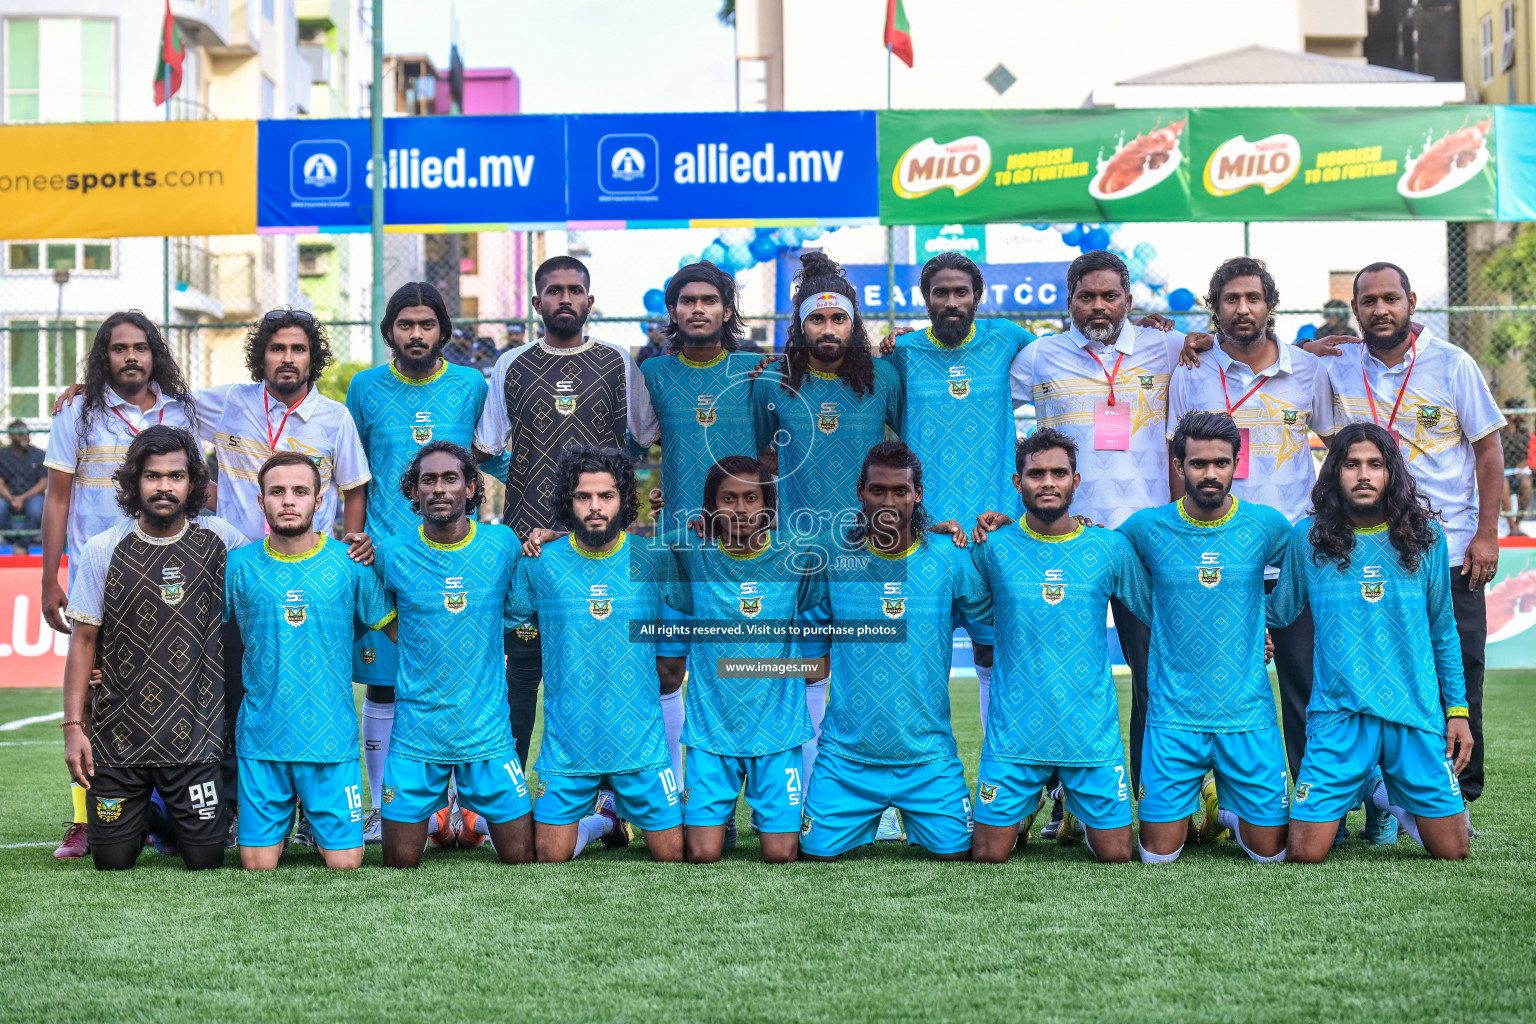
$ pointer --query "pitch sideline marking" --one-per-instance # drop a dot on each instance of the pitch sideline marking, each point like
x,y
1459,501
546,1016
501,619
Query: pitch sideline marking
x,y
22,722
19,846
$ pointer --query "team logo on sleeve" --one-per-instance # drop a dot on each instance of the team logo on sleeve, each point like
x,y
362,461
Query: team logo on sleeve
x,y
1373,592
704,411
295,615
421,433
1289,416
826,420
370,655
985,792
171,585
108,810
1053,593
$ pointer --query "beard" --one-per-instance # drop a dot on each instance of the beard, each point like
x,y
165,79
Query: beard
x,y
1105,334
437,518
682,337
293,531
563,324
1378,344
1051,515
1363,510
594,540
283,389
950,331
417,368
160,520
1243,334
1203,498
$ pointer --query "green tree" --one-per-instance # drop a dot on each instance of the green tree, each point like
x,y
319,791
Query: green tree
x,y
1512,272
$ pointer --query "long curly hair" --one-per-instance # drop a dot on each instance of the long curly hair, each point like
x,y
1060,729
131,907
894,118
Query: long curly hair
x,y
262,330
892,455
161,440
703,272
163,371
412,475
820,273
1408,511
739,467
586,458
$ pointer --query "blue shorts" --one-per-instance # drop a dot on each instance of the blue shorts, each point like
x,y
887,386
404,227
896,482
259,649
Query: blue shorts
x,y
1250,773
1343,747
1007,792
773,789
649,798
329,792
672,648
415,790
979,632
375,660
843,810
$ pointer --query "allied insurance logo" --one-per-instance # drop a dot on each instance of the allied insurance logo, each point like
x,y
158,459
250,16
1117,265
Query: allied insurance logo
x,y
628,164
320,169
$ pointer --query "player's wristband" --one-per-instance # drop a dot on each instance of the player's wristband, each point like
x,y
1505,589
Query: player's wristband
x,y
73,721
1457,713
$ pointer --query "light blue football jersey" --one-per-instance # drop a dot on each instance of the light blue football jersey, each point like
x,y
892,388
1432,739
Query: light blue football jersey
x,y
298,616
822,433
888,702
705,412
395,416
602,700
1205,672
741,717
1053,696
958,417
451,691
1386,637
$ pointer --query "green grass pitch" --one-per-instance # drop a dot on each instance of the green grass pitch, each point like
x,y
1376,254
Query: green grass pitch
x,y
1377,934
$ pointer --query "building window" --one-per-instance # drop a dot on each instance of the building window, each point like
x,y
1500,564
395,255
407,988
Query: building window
x,y
1485,32
268,11
1507,58
58,69
268,97
46,257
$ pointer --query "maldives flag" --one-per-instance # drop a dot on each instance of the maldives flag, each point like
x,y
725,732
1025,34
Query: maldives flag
x,y
898,34
172,52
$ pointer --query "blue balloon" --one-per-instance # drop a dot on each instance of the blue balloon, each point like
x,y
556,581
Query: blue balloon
x,y
1041,227
789,237
763,232
1096,238
1181,299
1135,265
1145,251
714,253
1073,237
687,260
655,301
763,249
738,257
811,234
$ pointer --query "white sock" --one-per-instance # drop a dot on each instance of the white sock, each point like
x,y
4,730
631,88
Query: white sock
x,y
593,826
378,720
1148,857
1088,842
1409,823
1229,820
672,720
984,680
816,707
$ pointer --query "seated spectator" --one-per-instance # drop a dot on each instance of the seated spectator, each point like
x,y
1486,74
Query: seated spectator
x,y
23,477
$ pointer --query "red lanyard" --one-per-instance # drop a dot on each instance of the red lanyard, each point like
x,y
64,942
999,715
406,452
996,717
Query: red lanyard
x,y
1230,407
1400,392
133,429
1110,376
266,407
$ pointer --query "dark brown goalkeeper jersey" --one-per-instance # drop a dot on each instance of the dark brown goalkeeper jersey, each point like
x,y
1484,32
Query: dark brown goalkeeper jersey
x,y
159,603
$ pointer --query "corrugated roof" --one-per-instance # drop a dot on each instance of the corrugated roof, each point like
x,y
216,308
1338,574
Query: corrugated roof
x,y
1264,65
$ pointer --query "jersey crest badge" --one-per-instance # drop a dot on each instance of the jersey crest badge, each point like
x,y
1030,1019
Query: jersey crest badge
x,y
455,603
543,787
565,404
827,422
388,793
960,388
527,633
687,793
1429,415
1303,789
806,826
1145,380
1053,592
986,793
705,415
1210,576
109,810
600,609
295,615
370,654
894,607
1373,592
171,593
1289,416
421,433
751,607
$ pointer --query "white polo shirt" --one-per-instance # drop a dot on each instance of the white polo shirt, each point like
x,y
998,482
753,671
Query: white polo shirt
x,y
246,425
1060,375
1295,396
93,459
1445,407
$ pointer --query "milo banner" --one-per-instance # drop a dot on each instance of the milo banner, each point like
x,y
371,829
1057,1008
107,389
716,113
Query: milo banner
x,y
1342,163
1006,166
1512,607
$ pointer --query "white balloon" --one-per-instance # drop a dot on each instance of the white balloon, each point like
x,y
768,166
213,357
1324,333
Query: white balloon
x,y
1141,295
736,236
1155,274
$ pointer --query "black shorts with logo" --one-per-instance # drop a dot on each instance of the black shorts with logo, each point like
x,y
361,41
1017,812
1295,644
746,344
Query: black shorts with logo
x,y
117,806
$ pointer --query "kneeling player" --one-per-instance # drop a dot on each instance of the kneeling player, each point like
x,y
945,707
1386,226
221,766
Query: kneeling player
x,y
1210,702
449,581
1371,560
1053,706
299,600
886,740
602,707
741,730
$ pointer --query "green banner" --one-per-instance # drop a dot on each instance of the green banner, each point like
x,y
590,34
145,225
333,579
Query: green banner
x,y
1342,164
1233,164
983,166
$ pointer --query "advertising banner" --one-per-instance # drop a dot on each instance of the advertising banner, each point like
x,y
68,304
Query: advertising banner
x,y
759,169
31,654
488,172
128,178
1515,128
1343,164
1001,166
1511,601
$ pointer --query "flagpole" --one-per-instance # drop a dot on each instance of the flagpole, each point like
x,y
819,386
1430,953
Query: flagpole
x,y
890,232
887,76
165,240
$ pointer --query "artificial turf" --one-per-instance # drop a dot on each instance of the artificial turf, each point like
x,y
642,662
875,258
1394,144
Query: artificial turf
x,y
1377,933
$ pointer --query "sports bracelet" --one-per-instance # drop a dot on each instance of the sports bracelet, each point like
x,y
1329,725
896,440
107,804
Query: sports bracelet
x,y
73,721
1456,713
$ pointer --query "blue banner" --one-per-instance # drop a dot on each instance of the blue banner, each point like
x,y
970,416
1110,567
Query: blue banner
x,y
502,171
1515,128
651,170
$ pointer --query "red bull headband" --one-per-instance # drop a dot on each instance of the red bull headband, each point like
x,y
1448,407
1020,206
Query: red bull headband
x,y
825,300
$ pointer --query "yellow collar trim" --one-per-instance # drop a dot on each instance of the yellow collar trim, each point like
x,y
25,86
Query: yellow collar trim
x,y
963,341
823,374
745,558
1192,521
1372,529
435,546
917,543
719,358
1061,539
442,368
584,553
279,556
